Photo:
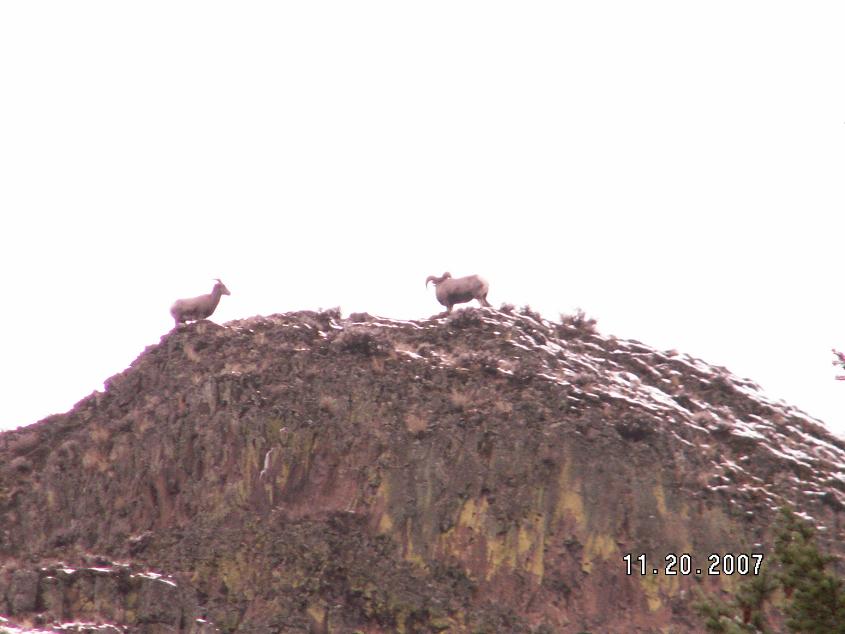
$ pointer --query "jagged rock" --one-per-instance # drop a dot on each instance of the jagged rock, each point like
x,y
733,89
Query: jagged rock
x,y
159,602
486,471
96,598
22,592
52,598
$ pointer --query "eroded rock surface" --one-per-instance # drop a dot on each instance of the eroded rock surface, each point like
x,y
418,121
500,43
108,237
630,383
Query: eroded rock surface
x,y
485,472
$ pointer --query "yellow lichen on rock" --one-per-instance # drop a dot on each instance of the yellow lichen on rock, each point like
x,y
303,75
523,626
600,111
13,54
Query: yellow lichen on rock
x,y
472,514
652,592
598,546
531,545
317,612
51,499
658,586
501,552
382,497
411,553
385,524
518,548
570,501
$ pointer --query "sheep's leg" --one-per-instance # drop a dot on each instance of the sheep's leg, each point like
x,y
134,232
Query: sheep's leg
x,y
483,301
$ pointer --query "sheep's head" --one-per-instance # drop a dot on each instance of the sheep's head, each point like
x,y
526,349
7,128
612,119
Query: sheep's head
x,y
437,280
220,287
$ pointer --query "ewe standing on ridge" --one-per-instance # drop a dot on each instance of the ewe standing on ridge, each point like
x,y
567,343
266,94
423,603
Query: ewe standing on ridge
x,y
195,308
451,291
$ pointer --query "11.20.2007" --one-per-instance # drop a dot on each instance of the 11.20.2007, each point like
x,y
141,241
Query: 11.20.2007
x,y
684,564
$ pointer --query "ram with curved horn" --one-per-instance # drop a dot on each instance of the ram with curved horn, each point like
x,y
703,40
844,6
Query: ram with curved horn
x,y
195,308
457,290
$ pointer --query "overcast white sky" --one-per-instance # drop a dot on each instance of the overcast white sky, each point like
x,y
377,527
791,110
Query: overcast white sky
x,y
673,168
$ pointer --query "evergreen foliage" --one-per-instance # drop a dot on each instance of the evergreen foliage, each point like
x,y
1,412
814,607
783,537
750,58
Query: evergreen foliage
x,y
817,604
814,599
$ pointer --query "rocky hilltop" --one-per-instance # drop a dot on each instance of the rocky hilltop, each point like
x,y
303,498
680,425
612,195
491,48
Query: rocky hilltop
x,y
483,472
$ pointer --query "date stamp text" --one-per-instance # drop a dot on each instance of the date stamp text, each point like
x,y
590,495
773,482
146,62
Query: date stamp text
x,y
685,564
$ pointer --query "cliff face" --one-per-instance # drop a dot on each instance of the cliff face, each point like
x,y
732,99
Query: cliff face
x,y
485,472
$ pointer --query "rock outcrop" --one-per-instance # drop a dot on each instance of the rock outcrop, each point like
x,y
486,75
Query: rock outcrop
x,y
485,472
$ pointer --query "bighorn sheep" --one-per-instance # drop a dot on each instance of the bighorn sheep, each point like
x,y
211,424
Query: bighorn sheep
x,y
195,308
451,291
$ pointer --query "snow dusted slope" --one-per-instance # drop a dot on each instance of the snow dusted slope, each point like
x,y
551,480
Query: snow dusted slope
x,y
701,406
484,471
